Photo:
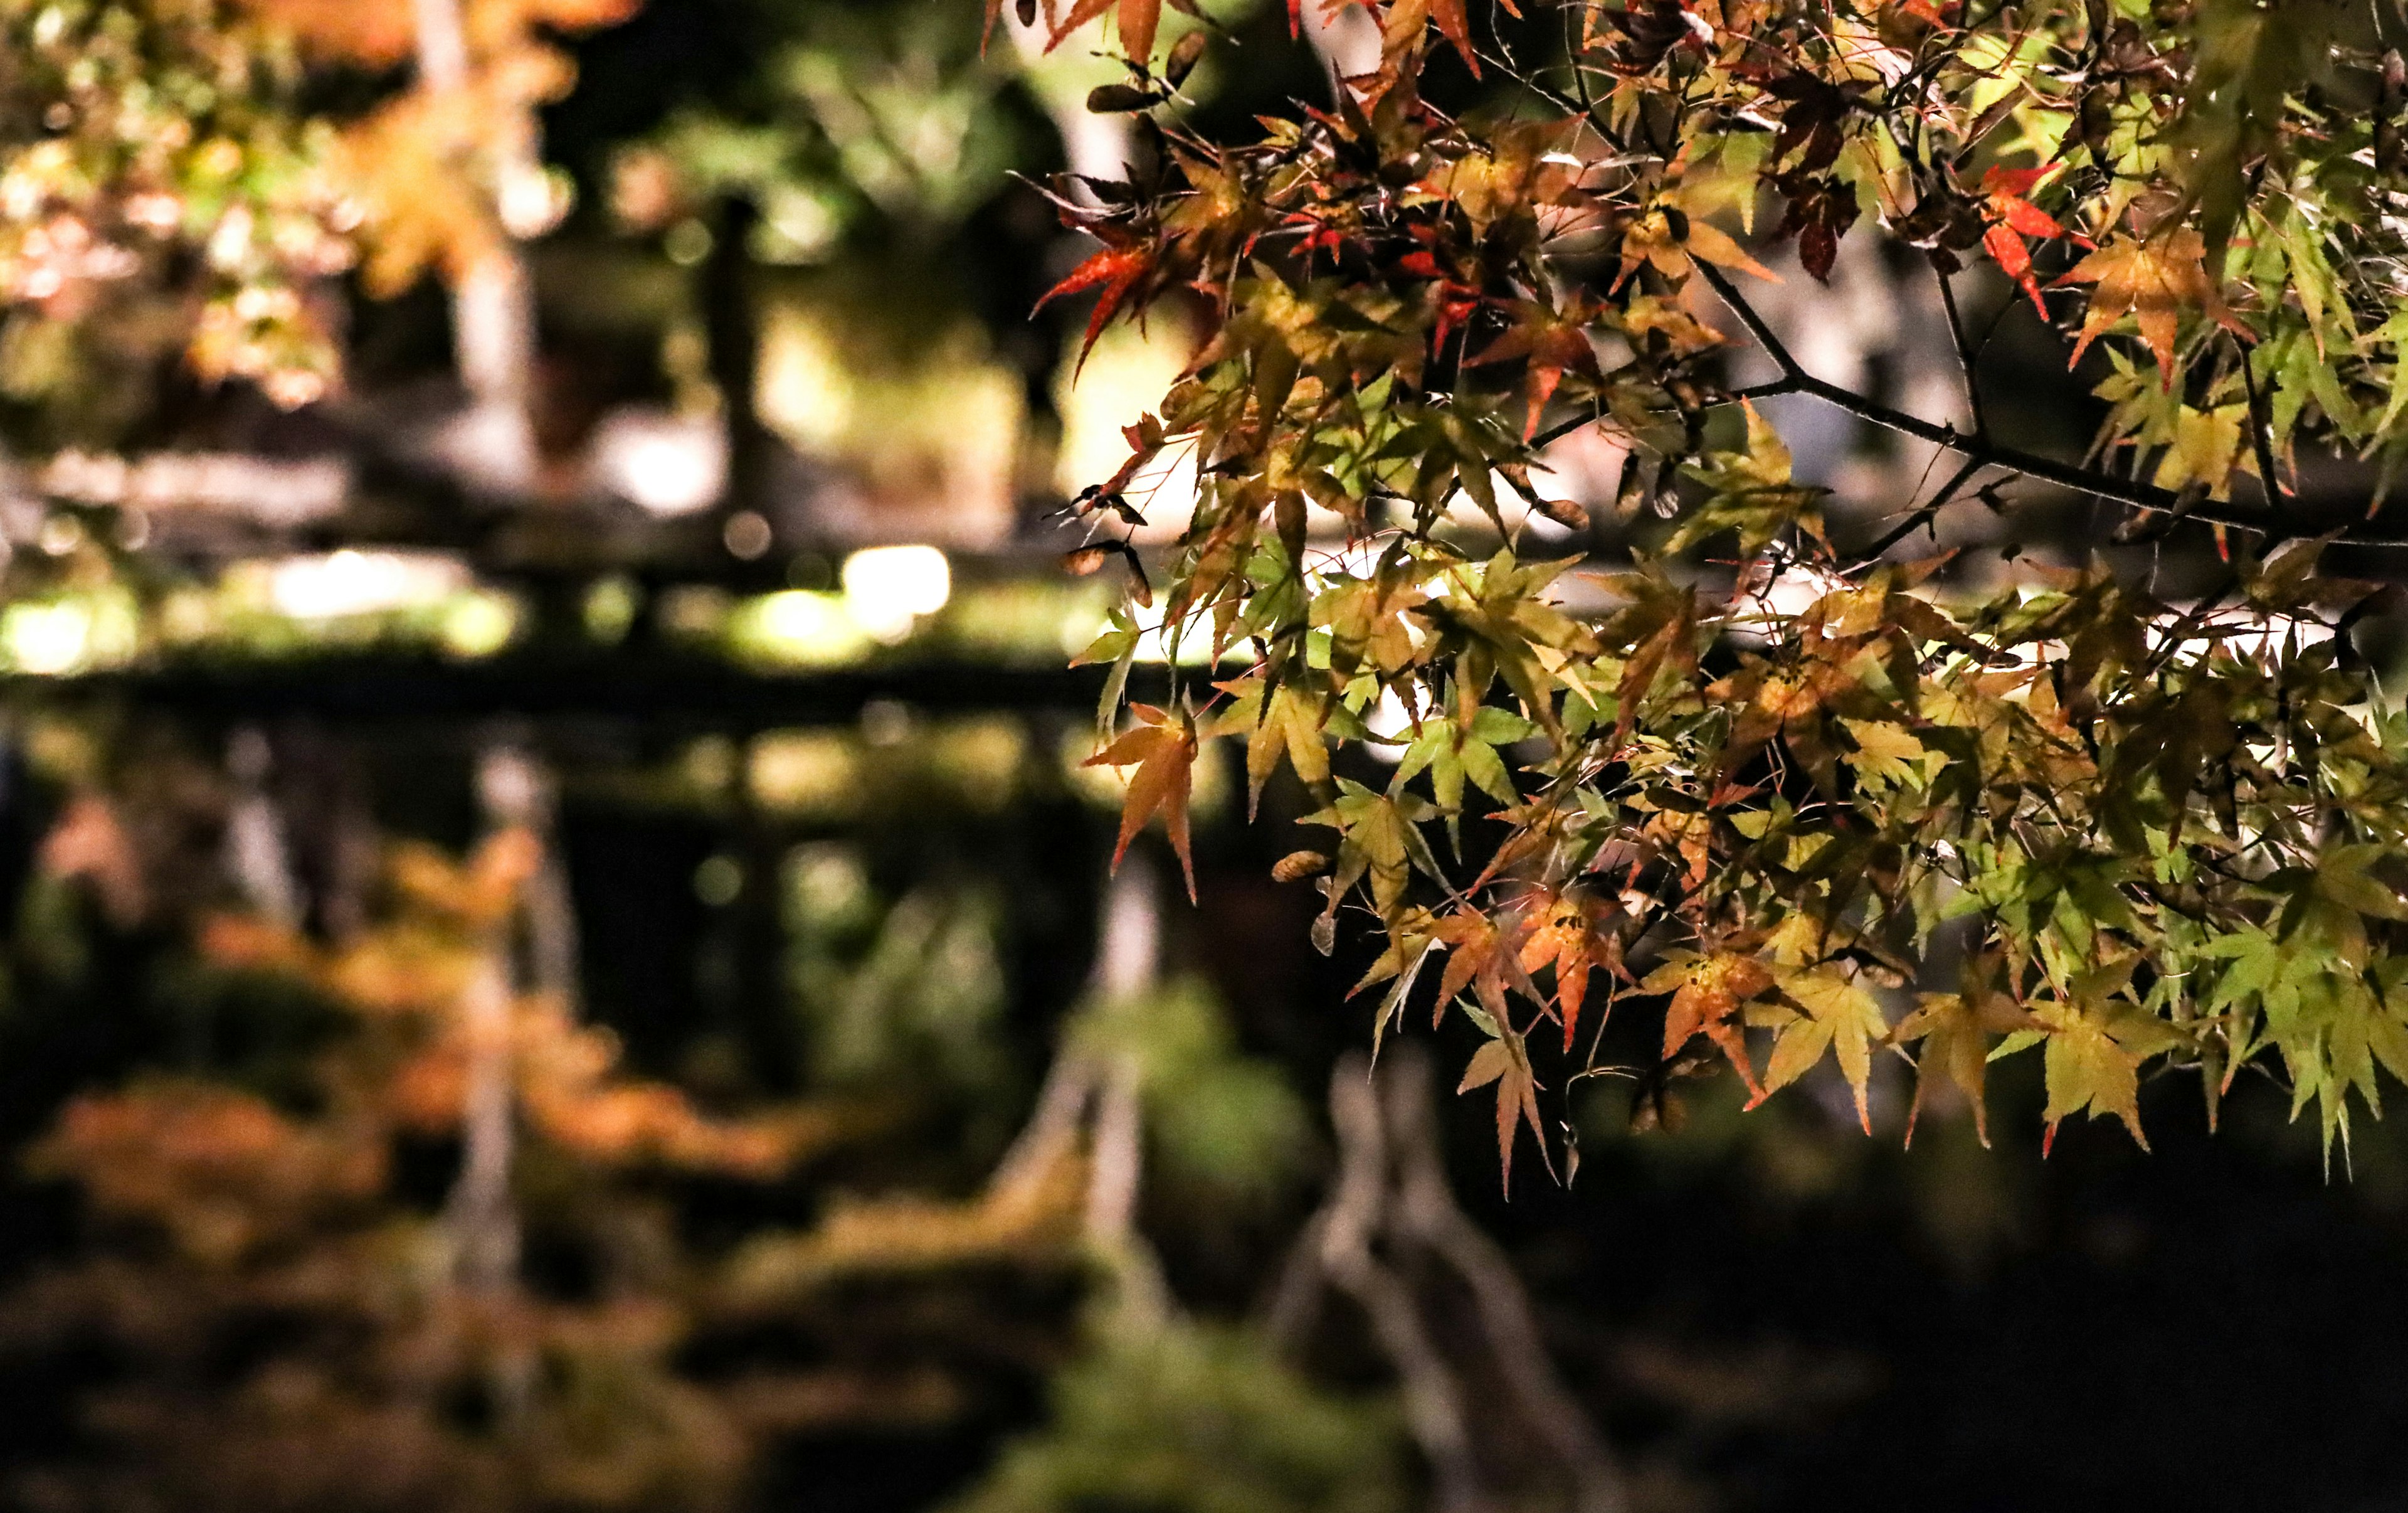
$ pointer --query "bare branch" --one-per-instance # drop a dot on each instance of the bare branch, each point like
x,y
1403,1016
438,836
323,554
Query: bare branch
x,y
1428,1208
1968,360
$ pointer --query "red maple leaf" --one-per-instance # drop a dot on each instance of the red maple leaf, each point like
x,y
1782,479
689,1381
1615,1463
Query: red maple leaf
x,y
1118,269
2015,217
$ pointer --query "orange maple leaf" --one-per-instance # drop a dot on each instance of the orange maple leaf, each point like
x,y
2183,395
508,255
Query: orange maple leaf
x,y
1137,20
2153,280
1705,995
1162,748
1481,957
1506,1062
1565,939
1554,344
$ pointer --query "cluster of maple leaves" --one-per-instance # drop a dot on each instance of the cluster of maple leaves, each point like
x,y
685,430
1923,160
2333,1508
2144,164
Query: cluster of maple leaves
x,y
2153,833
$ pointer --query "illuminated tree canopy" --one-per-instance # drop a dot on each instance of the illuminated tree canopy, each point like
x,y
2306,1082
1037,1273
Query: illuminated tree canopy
x,y
1772,775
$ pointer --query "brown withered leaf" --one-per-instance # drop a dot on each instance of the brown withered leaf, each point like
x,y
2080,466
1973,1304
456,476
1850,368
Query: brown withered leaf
x,y
1086,561
1298,865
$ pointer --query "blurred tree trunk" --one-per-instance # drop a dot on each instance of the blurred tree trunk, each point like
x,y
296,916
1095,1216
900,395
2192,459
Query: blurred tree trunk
x,y
493,302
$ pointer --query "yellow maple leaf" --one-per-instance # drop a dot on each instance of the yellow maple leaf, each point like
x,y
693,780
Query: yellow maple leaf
x,y
1668,237
1885,753
2154,281
2088,1068
1841,1016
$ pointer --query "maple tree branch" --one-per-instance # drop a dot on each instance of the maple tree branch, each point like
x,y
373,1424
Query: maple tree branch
x,y
1967,359
2261,433
1929,512
1429,1209
2140,496
1357,1210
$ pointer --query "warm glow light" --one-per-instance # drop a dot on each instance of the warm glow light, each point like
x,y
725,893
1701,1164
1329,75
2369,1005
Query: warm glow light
x,y
888,587
47,639
664,464
1391,726
799,627
480,624
349,583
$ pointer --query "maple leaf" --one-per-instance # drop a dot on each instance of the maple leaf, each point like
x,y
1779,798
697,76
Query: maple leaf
x,y
1481,957
2154,281
2017,217
1139,20
2089,1069
1506,1062
1841,1016
1555,345
1955,1030
1289,725
1886,754
2096,1044
1565,939
1706,992
1668,236
1118,270
1162,748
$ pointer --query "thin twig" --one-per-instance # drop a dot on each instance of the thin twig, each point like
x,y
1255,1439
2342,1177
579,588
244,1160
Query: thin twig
x,y
2260,435
1931,511
1967,358
1796,379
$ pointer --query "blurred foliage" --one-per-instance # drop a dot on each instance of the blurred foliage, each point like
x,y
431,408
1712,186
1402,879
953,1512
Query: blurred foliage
x,y
282,1319
160,191
1217,1119
1187,1418
862,121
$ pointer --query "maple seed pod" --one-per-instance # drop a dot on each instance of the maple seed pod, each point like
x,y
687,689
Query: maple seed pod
x,y
1184,58
1087,560
1112,99
1565,512
1298,865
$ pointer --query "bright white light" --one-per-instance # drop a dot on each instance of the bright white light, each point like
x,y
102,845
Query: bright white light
x,y
665,464
532,200
887,588
797,616
349,583
1391,726
47,639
